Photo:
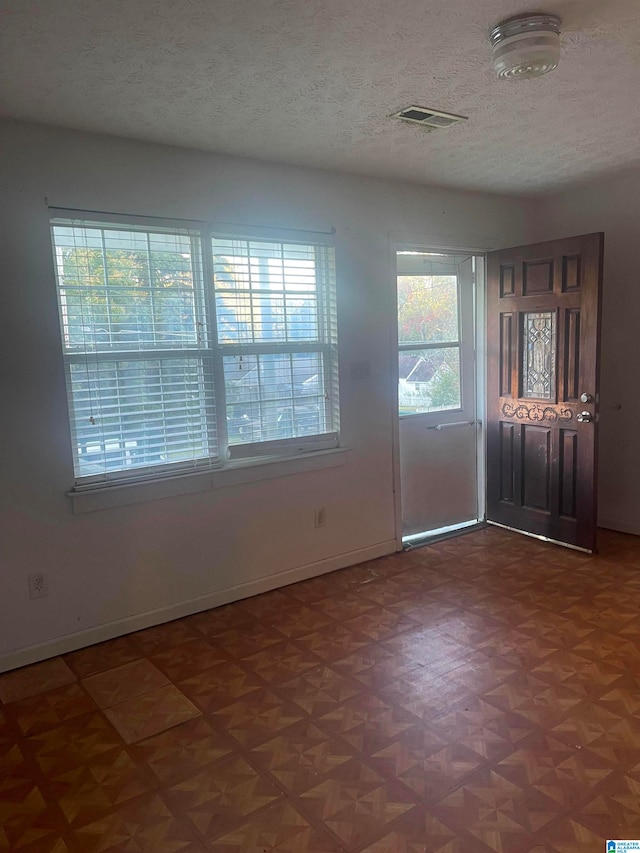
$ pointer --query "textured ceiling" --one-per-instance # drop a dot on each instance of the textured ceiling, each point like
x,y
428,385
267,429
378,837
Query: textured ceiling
x,y
311,82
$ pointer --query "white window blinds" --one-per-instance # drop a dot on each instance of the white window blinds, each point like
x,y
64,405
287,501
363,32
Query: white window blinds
x,y
135,338
276,316
166,373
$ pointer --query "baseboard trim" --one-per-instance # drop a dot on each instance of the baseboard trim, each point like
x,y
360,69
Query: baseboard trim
x,y
117,628
620,525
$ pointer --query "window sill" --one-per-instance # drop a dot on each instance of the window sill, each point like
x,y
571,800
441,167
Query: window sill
x,y
233,474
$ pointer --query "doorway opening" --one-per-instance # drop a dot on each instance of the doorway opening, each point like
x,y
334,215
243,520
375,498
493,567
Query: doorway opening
x,y
440,298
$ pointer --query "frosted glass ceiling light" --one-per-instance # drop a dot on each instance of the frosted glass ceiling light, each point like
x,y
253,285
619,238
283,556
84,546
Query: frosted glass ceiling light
x,y
526,46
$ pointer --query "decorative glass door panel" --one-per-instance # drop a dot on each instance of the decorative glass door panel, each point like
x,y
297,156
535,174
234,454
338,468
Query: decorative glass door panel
x,y
539,355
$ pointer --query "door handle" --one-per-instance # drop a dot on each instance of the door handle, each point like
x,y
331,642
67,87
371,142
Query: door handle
x,y
453,424
585,418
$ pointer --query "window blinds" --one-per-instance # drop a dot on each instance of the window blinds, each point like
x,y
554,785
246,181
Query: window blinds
x,y
184,348
136,346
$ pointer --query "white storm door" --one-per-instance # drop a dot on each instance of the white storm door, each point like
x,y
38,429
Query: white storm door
x,y
438,420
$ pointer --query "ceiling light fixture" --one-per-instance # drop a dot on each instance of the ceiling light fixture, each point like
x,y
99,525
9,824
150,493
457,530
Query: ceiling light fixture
x,y
526,46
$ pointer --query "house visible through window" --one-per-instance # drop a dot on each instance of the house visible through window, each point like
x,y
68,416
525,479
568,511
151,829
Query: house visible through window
x,y
429,343
184,347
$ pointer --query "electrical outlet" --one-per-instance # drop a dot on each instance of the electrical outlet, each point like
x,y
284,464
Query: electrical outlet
x,y
38,586
320,516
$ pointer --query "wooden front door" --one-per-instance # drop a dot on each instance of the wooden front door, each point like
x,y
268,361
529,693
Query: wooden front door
x,y
543,330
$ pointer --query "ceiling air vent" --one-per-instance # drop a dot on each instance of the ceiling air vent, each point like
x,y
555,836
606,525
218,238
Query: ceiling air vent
x,y
427,118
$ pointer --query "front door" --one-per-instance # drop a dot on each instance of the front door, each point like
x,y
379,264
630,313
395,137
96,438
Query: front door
x,y
543,329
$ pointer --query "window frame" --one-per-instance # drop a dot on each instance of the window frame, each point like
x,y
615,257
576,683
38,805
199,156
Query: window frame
x,y
418,346
212,353
325,345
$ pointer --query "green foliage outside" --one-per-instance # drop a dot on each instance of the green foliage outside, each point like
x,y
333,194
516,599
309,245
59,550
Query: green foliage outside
x,y
444,388
150,300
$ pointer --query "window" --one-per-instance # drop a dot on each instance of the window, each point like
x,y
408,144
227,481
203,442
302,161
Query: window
x,y
275,310
184,348
429,342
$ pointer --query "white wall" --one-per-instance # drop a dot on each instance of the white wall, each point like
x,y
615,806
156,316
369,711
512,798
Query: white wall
x,y
118,569
611,205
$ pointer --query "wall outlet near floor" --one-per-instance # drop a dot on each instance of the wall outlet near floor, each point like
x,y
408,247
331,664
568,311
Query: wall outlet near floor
x,y
320,516
38,586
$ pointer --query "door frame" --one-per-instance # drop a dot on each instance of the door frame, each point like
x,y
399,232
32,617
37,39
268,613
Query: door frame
x,y
413,242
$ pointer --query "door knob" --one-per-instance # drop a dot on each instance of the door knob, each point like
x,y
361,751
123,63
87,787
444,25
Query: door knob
x,y
585,418
586,398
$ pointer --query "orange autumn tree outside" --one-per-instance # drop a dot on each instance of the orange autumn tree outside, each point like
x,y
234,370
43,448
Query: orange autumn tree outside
x,y
428,314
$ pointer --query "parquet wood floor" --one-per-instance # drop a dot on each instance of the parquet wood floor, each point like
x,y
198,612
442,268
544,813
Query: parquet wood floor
x,y
479,695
